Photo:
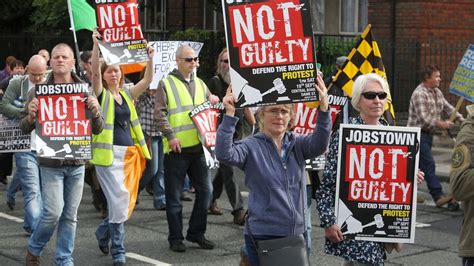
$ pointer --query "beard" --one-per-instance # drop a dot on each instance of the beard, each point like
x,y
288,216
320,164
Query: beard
x,y
226,76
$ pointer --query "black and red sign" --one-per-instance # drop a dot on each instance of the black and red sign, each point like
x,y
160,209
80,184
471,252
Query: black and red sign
x,y
122,38
205,117
270,46
63,125
376,183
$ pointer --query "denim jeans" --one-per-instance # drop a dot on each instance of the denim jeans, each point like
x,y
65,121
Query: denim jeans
x,y
225,178
28,173
428,166
62,193
176,167
155,172
13,187
307,233
115,233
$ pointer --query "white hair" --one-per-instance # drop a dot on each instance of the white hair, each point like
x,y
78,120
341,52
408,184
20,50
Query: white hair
x,y
361,83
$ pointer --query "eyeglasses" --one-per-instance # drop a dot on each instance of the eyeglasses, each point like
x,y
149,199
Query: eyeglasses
x,y
226,61
370,95
276,112
190,59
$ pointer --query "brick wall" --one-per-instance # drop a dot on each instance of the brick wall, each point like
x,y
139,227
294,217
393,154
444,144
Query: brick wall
x,y
193,14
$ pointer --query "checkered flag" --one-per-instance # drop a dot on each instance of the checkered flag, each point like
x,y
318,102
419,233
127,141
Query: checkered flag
x,y
364,58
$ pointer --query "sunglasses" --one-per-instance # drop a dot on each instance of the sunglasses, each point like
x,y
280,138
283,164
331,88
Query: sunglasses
x,y
190,59
225,61
370,95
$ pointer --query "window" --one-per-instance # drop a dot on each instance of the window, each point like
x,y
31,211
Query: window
x,y
212,15
154,15
353,16
317,12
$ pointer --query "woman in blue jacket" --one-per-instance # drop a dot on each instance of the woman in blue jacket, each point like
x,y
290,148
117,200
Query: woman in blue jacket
x,y
274,166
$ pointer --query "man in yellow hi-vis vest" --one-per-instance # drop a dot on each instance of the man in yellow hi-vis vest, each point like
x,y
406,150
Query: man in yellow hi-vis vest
x,y
177,94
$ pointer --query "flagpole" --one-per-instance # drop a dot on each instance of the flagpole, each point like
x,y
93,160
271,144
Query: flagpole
x,y
71,19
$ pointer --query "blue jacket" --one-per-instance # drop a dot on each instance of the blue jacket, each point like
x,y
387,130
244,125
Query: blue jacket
x,y
276,201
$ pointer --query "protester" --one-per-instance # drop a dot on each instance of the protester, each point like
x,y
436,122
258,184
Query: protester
x,y
27,170
45,54
17,69
274,163
86,63
225,173
119,152
177,94
7,70
154,172
369,95
62,181
426,105
462,185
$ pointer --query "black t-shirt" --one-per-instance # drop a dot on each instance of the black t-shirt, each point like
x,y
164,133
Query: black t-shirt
x,y
122,135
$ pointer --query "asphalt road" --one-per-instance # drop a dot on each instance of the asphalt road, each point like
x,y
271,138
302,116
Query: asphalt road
x,y
146,237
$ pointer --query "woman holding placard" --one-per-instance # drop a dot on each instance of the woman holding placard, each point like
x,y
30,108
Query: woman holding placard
x,y
119,152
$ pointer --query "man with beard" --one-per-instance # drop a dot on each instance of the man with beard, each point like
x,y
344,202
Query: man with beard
x,y
225,174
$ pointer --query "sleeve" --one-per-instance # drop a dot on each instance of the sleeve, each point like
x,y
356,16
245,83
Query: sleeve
x,y
420,102
98,122
161,112
315,144
327,190
462,166
6,104
212,85
234,154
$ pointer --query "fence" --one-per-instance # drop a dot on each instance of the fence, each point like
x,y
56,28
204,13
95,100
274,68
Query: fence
x,y
403,61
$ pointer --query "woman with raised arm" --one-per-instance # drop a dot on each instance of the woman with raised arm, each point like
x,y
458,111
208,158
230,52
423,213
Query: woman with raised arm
x,y
119,152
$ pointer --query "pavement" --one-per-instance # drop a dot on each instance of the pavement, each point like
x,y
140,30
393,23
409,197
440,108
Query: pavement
x,y
436,241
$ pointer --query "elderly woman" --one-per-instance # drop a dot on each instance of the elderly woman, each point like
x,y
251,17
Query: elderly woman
x,y
369,96
119,152
273,162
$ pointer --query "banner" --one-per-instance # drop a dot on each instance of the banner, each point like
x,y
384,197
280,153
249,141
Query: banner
x,y
122,39
462,83
205,117
63,124
304,122
271,51
376,182
12,138
165,58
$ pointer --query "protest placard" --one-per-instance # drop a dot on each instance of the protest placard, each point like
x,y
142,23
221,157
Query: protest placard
x,y
12,138
376,182
271,52
122,39
462,83
205,117
304,122
63,125
165,58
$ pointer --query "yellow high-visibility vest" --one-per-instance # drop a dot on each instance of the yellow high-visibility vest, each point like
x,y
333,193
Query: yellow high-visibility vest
x,y
102,144
180,104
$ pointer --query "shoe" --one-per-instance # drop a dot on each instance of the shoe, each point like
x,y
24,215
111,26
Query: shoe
x,y
119,263
214,209
239,217
443,200
178,246
149,190
11,205
104,249
162,208
453,205
31,260
203,243
420,199
186,197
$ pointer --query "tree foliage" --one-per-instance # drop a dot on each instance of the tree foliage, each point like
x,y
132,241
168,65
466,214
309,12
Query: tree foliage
x,y
50,17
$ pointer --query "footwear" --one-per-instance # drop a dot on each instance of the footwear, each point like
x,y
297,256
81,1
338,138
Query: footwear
x,y
162,208
31,260
443,200
453,205
119,263
178,246
420,199
214,209
11,205
149,190
239,217
104,249
203,243
186,197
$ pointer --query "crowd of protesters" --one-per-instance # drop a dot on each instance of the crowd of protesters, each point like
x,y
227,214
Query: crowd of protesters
x,y
149,131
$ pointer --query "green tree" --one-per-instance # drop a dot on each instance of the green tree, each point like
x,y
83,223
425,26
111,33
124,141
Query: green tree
x,y
50,17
